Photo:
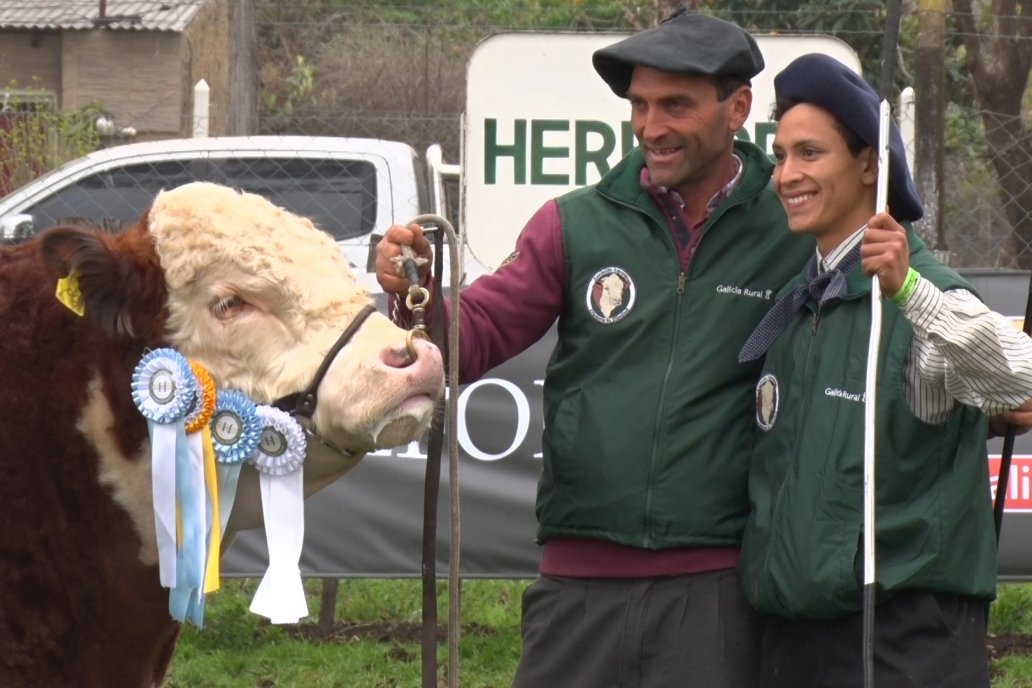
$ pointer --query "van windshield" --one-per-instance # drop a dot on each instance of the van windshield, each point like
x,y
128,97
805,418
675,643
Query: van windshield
x,y
338,195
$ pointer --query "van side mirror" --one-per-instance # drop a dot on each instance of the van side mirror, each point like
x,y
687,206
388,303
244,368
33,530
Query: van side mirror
x,y
15,228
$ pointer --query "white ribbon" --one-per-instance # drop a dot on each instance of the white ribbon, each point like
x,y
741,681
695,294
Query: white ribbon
x,y
281,595
279,459
163,493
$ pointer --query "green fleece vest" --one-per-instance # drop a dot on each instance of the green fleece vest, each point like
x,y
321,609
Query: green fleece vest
x,y
647,411
802,552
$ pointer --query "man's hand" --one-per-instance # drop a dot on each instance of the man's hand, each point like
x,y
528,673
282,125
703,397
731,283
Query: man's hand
x,y
885,252
388,265
1020,418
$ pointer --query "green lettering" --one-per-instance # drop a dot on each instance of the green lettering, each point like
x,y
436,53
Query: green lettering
x,y
599,157
494,150
539,151
627,138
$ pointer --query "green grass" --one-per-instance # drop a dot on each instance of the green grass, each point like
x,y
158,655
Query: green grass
x,y
237,649
1012,614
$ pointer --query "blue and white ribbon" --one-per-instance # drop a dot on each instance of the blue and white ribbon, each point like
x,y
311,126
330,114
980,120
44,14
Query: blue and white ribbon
x,y
278,459
236,431
164,389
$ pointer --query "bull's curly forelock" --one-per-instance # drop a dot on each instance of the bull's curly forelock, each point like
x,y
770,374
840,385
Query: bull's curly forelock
x,y
239,230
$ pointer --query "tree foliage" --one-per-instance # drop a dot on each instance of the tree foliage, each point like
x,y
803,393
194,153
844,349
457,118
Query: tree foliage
x,y
396,69
36,136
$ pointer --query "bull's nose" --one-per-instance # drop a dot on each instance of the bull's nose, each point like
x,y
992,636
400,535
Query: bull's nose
x,y
417,347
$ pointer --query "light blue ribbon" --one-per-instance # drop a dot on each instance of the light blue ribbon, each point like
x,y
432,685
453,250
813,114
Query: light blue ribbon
x,y
186,598
236,431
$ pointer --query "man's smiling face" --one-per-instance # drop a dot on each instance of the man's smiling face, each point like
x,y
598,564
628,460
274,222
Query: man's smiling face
x,y
684,130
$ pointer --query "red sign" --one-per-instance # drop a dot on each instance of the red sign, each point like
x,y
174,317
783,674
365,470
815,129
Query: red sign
x,y
1019,482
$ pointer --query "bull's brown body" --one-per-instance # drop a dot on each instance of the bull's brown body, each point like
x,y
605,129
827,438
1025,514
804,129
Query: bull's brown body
x,y
71,582
80,599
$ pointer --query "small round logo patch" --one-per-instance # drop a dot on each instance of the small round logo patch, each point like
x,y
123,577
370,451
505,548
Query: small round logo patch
x,y
227,427
162,386
273,442
610,295
767,398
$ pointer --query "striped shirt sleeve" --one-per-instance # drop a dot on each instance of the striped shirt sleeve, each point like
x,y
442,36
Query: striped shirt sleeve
x,y
962,352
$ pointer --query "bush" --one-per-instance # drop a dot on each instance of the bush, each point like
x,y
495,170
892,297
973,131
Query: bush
x,y
35,136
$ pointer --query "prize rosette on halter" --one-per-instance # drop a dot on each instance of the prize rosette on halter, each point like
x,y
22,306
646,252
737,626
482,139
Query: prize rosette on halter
x,y
235,433
164,389
278,459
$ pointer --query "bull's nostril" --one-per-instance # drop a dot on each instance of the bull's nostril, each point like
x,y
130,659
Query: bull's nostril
x,y
395,357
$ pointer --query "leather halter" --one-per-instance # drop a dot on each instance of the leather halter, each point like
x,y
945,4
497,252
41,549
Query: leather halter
x,y
303,403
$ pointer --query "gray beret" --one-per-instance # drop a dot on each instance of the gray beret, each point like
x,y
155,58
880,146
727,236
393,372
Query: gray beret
x,y
824,81
684,43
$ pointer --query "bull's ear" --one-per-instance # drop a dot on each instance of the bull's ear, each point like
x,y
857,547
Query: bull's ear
x,y
119,278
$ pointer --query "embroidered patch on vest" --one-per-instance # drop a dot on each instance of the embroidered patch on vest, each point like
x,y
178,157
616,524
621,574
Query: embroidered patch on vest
x,y
610,295
767,397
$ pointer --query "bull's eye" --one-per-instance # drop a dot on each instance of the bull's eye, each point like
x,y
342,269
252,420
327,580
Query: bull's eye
x,y
227,307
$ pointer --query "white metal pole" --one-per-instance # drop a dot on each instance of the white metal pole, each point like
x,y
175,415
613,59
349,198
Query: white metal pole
x,y
870,406
202,98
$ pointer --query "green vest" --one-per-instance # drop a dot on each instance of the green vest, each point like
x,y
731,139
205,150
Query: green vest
x,y
647,411
802,554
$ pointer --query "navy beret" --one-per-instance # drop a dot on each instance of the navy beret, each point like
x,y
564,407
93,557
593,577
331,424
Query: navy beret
x,y
684,43
829,84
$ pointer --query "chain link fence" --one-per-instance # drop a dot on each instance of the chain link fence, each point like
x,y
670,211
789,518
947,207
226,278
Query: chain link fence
x,y
405,79
355,69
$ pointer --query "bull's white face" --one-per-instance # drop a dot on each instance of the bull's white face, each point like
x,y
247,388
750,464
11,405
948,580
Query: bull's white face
x,y
612,294
258,296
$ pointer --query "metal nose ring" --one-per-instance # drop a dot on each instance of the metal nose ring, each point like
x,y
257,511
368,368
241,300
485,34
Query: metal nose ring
x,y
410,341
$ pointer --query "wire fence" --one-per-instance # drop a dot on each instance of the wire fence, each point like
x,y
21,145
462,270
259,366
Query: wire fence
x,y
397,71
403,77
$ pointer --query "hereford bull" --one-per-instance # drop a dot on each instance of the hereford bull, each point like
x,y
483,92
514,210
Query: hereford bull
x,y
258,297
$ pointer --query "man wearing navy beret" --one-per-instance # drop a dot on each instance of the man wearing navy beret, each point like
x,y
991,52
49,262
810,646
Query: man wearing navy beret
x,y
945,361
654,276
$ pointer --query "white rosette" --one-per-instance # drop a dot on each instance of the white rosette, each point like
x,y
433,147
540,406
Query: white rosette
x,y
164,389
278,459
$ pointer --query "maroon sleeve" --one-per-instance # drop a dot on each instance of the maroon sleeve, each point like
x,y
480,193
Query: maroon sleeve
x,y
509,310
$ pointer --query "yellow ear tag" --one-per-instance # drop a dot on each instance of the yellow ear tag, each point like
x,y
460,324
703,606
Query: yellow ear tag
x,y
69,294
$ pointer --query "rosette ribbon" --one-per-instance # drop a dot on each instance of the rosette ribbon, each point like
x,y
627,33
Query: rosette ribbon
x,y
235,433
197,425
278,459
198,508
164,389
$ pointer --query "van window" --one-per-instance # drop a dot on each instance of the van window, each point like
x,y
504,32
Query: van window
x,y
338,195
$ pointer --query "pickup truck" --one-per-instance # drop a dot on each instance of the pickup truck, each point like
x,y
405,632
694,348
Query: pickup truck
x,y
350,187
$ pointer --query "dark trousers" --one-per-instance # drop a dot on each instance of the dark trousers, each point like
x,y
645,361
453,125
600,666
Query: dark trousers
x,y
922,640
692,631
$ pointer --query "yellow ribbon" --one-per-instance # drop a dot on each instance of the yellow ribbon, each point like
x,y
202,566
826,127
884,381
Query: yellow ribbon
x,y
211,574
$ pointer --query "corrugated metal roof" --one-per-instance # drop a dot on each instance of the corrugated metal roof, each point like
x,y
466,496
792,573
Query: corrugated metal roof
x,y
171,15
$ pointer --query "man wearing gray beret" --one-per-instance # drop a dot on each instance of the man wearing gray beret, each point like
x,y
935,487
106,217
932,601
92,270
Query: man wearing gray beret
x,y
945,361
655,275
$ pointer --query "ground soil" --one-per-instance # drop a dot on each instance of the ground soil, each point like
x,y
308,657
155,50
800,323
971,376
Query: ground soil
x,y
1010,644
